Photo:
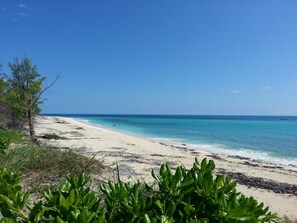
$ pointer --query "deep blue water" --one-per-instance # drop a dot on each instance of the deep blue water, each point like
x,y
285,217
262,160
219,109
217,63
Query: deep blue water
x,y
266,138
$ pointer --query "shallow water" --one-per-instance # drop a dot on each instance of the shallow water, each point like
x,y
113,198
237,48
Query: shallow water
x,y
265,138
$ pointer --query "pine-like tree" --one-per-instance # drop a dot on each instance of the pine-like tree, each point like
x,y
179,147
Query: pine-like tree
x,y
25,90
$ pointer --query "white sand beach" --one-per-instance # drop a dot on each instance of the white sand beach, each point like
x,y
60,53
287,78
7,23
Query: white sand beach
x,y
137,156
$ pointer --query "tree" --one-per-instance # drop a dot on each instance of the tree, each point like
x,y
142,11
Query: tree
x,y
25,90
5,112
3,84
9,107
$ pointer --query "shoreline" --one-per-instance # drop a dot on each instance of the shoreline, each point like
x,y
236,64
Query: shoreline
x,y
210,148
137,156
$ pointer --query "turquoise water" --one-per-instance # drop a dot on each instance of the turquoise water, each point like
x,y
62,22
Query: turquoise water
x,y
264,138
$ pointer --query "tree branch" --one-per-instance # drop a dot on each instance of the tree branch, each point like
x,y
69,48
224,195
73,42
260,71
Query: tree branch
x,y
46,88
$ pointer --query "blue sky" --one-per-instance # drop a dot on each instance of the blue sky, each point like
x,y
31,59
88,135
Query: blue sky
x,y
158,57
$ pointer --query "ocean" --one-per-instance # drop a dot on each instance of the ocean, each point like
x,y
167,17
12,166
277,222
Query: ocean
x,y
270,139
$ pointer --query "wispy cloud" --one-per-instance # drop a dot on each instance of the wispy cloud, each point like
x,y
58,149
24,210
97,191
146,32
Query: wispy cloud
x,y
235,91
22,5
21,14
266,88
4,9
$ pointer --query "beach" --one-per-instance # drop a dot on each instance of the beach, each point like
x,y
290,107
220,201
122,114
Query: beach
x,y
275,185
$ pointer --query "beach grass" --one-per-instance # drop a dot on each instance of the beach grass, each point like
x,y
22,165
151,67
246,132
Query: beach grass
x,y
14,136
43,166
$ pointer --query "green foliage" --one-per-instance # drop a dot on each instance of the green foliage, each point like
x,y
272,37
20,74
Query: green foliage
x,y
196,194
25,86
7,137
4,144
3,86
12,135
20,95
71,202
127,202
12,199
9,182
43,166
5,110
193,196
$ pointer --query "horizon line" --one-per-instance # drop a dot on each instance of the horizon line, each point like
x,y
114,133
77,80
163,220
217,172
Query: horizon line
x,y
129,114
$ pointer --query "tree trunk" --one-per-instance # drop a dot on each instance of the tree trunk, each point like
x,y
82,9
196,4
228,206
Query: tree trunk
x,y
31,127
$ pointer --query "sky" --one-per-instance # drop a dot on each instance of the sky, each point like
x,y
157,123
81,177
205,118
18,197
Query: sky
x,y
158,57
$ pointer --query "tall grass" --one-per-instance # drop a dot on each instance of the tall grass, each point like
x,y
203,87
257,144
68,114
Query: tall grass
x,y
44,165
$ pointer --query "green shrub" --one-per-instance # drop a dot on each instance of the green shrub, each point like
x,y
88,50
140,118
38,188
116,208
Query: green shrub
x,y
4,144
183,196
193,196
9,182
196,194
7,137
12,199
5,140
71,202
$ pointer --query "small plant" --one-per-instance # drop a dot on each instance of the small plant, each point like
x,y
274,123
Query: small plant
x,y
4,144
6,137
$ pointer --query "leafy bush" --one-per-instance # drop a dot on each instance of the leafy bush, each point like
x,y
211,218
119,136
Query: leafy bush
x,y
193,196
12,199
9,182
196,194
72,202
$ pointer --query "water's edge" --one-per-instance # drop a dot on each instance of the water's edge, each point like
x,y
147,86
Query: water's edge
x,y
257,156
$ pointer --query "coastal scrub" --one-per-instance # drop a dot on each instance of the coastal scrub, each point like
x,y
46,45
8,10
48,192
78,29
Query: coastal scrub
x,y
43,166
192,196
